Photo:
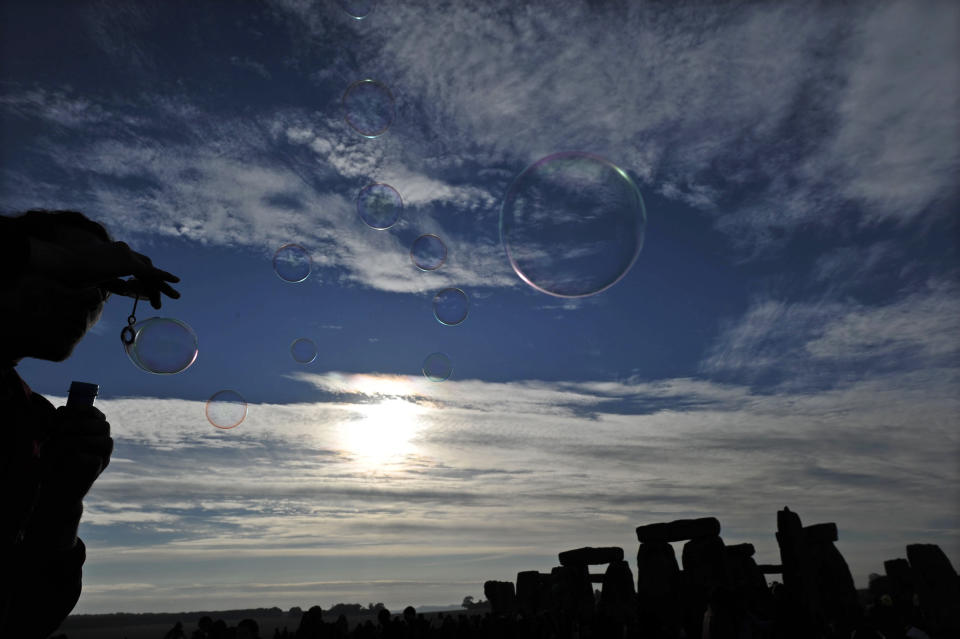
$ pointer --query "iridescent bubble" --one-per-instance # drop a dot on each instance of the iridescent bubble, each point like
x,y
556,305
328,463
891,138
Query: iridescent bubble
x,y
572,224
428,252
303,350
292,263
226,409
379,206
450,306
369,108
437,367
162,345
357,9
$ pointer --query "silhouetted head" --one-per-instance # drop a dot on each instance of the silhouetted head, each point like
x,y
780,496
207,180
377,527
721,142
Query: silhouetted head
x,y
409,614
248,629
383,617
41,316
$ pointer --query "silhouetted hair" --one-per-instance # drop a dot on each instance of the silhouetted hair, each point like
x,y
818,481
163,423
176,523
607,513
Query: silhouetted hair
x,y
43,224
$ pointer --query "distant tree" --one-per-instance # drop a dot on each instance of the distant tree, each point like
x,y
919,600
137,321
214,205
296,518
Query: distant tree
x,y
470,604
346,609
296,611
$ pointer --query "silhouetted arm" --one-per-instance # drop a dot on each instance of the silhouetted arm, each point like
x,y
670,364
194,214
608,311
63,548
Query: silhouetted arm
x,y
14,250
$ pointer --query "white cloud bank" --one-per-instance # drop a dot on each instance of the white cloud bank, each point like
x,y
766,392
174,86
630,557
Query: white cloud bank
x,y
502,476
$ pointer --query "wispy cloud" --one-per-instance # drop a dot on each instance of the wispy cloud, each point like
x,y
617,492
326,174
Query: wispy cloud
x,y
855,107
819,342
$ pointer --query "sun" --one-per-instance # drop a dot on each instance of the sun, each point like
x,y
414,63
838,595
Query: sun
x,y
380,435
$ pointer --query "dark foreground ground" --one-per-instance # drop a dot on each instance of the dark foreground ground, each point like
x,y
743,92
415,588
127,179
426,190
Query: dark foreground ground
x,y
108,627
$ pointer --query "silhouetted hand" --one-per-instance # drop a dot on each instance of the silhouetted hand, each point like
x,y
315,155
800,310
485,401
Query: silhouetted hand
x,y
77,451
103,265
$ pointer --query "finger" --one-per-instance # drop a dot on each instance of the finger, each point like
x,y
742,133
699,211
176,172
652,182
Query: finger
x,y
144,258
169,290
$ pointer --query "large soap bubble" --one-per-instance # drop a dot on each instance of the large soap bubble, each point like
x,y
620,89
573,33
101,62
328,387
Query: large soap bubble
x,y
450,306
572,224
379,206
162,345
226,409
437,367
357,9
304,350
428,252
368,108
292,263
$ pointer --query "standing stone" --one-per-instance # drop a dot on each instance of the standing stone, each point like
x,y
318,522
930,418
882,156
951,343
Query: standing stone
x,y
502,597
746,580
658,590
820,533
704,570
937,587
574,592
799,595
618,597
900,574
528,592
837,593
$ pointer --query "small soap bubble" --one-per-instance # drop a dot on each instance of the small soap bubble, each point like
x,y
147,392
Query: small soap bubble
x,y
450,306
428,252
369,108
379,206
303,350
572,224
437,367
163,346
292,263
226,409
357,9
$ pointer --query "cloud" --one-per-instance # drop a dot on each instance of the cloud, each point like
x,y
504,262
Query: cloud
x,y
511,470
897,141
822,341
852,109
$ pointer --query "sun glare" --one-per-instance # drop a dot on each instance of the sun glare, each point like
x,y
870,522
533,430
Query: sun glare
x,y
381,434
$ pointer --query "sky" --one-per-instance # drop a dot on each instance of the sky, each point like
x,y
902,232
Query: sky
x,y
787,335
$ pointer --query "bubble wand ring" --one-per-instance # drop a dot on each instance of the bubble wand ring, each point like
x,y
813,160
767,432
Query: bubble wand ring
x,y
127,335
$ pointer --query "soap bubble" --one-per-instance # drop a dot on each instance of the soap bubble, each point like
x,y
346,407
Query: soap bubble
x,y
369,108
226,409
162,345
572,224
292,263
450,306
303,350
428,252
379,206
437,367
357,9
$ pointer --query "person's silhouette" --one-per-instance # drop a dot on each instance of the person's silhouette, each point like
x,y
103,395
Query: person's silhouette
x,y
57,269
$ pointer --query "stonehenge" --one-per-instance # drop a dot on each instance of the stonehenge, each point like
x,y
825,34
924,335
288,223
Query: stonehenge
x,y
672,597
